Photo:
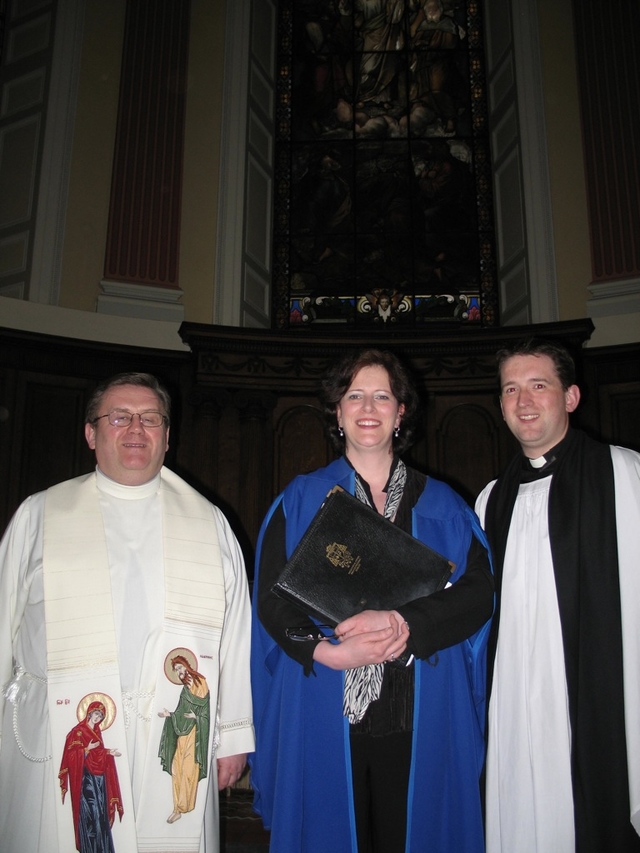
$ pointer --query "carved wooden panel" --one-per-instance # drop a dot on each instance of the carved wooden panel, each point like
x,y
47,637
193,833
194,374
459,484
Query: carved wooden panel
x,y
53,407
610,405
471,444
49,445
620,406
300,443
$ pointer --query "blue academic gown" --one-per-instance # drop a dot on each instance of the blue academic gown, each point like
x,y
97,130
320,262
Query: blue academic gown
x,y
301,770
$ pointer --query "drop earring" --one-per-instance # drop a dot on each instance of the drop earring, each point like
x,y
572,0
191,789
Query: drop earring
x,y
340,431
396,431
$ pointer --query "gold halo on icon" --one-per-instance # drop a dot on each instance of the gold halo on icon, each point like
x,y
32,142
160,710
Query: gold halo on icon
x,y
169,671
107,701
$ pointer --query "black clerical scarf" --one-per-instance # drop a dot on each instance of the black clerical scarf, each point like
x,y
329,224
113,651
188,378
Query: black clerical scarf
x,y
582,530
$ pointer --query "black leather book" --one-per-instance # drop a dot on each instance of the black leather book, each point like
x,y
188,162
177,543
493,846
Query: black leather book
x,y
352,559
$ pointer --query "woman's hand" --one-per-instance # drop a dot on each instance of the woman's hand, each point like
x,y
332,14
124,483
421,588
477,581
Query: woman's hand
x,y
370,637
370,620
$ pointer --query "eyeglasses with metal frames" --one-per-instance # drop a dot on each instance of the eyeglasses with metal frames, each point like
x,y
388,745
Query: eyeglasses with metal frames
x,y
305,635
120,418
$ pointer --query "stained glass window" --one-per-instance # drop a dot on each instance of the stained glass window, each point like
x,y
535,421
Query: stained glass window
x,y
383,213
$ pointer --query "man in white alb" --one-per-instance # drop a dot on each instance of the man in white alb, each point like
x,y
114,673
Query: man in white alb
x,y
563,521
104,580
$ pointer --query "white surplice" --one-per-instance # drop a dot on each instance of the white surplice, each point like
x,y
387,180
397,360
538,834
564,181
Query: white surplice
x,y
529,794
28,771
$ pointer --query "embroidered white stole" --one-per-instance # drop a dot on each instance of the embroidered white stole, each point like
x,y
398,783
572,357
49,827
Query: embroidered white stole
x,y
82,653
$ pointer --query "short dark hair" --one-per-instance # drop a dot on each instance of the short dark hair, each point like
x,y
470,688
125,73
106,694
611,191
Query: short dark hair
x,y
339,378
144,380
559,355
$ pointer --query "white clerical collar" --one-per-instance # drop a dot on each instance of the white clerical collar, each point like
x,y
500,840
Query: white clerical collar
x,y
128,493
540,462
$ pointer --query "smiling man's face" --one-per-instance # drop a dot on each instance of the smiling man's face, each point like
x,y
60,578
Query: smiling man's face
x,y
535,405
134,454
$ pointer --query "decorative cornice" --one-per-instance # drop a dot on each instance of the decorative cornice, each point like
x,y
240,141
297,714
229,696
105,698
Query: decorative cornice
x,y
232,357
614,297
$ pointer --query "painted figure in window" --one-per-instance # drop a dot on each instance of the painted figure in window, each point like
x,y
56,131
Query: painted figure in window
x,y
384,305
436,86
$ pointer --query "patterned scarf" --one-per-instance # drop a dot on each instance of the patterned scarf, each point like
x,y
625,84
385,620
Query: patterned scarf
x,y
363,684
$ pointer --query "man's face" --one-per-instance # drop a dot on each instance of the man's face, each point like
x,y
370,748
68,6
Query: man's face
x,y
129,455
181,671
534,404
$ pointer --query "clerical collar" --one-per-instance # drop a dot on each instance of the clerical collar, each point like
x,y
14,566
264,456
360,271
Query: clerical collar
x,y
128,493
540,462
543,466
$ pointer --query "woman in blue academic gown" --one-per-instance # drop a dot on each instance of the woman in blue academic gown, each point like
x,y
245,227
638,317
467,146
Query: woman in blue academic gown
x,y
372,742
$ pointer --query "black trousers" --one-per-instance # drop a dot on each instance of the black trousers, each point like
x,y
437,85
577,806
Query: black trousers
x,y
380,768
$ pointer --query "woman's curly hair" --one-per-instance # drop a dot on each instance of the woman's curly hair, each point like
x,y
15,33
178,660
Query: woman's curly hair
x,y
339,378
